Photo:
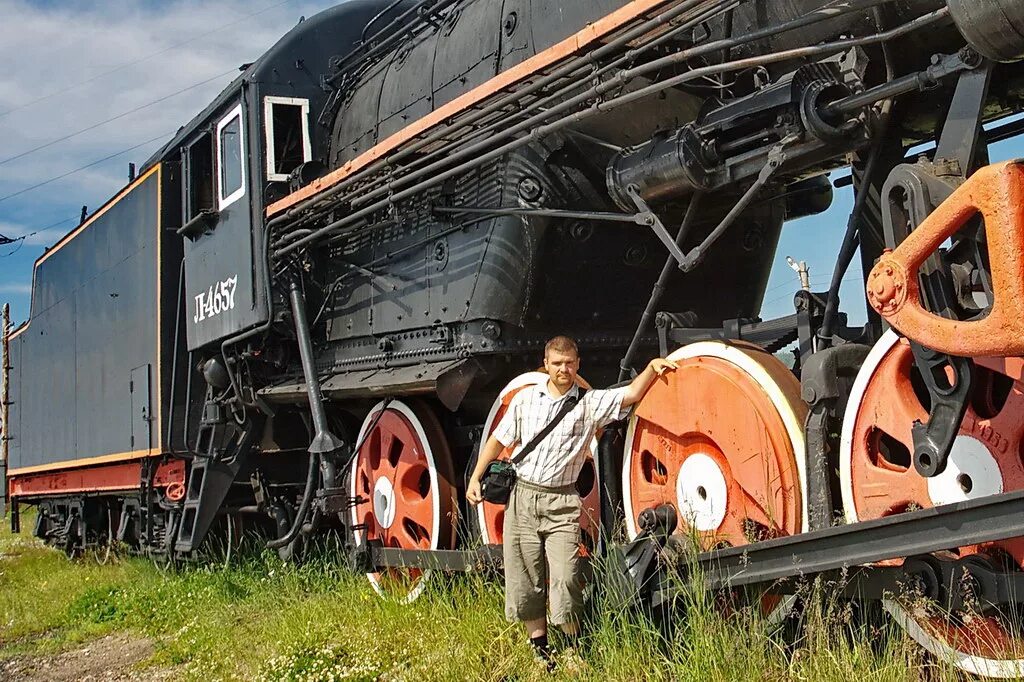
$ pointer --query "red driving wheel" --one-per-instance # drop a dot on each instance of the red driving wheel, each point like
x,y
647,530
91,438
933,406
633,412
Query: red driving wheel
x,y
721,440
878,479
402,479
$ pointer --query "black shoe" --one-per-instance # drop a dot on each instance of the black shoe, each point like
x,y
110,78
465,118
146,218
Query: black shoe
x,y
542,652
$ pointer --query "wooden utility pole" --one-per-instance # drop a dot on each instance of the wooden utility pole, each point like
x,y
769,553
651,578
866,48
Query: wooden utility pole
x,y
5,401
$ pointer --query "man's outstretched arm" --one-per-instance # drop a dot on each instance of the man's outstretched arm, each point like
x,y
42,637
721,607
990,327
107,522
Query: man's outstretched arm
x,y
638,387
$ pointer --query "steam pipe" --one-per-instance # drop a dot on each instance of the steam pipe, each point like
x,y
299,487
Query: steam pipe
x,y
300,514
597,108
324,442
823,14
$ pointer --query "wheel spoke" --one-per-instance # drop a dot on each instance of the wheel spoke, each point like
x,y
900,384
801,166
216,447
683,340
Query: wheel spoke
x,y
1008,425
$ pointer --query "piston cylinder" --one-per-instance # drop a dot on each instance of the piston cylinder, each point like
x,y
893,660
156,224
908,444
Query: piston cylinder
x,y
995,28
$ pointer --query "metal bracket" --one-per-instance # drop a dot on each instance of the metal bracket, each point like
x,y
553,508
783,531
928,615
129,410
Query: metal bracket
x,y
647,217
776,158
825,378
633,569
332,500
934,440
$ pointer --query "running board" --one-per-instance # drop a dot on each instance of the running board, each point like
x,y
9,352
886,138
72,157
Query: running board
x,y
842,549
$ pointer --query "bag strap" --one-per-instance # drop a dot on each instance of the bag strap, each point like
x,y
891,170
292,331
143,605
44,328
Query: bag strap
x,y
570,402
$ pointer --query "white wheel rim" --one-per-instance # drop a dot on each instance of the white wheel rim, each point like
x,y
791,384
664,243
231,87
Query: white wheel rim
x,y
860,385
976,665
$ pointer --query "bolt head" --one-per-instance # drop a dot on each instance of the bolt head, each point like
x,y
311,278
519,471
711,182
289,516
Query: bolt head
x,y
886,288
530,189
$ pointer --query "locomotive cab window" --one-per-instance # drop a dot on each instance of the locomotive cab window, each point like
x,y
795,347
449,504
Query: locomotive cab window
x,y
286,122
199,190
230,154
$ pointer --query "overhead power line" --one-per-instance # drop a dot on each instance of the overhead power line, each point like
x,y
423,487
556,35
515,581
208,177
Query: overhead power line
x,y
114,118
125,65
88,165
20,240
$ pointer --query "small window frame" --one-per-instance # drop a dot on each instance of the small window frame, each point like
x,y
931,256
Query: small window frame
x,y
225,201
189,151
268,126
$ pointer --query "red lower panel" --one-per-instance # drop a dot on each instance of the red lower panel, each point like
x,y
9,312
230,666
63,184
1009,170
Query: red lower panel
x,y
103,478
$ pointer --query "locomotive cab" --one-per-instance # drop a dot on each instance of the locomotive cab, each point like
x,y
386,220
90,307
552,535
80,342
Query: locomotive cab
x,y
248,148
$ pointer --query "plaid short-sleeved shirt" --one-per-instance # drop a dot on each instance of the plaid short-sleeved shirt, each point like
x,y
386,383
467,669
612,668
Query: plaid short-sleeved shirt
x,y
557,460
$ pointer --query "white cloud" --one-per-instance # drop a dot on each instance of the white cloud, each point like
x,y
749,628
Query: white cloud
x,y
154,49
55,48
15,288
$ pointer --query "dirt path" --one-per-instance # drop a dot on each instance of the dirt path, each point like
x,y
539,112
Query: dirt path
x,y
110,659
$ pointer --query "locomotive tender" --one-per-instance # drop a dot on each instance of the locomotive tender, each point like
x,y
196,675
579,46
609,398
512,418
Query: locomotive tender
x,y
317,299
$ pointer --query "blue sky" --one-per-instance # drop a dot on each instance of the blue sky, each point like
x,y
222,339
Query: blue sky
x,y
77,64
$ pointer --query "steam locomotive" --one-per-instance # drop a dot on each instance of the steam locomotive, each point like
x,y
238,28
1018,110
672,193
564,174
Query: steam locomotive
x,y
315,301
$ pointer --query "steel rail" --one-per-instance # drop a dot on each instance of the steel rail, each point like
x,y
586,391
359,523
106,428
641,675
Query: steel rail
x,y
848,549
972,522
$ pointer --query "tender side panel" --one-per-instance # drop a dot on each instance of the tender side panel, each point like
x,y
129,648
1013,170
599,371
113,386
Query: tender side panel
x,y
85,373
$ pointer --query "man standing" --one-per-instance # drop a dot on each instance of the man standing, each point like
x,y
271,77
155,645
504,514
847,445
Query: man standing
x,y
542,519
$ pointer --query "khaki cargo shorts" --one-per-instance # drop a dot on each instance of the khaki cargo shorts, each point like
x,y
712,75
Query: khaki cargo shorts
x,y
542,553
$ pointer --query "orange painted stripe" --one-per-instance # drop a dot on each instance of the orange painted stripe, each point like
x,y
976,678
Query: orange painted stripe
x,y
21,327
91,219
591,34
104,478
84,462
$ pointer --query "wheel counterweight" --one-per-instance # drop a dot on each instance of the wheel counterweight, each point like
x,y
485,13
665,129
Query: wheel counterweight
x,y
402,480
878,479
490,517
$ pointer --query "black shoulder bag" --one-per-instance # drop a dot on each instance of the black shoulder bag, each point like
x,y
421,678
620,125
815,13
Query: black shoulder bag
x,y
497,481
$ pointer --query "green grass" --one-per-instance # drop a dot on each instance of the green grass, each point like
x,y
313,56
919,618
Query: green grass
x,y
266,620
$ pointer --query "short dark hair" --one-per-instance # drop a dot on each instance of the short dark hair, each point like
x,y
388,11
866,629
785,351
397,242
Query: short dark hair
x,y
562,344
